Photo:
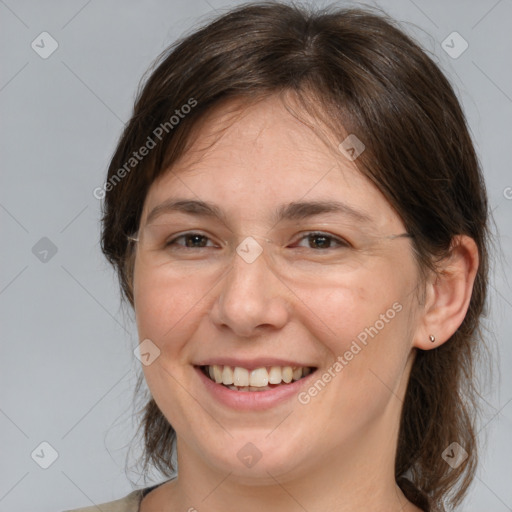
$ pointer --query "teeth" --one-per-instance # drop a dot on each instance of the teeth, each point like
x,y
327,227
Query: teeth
x,y
297,373
217,373
274,375
287,374
259,377
227,375
240,376
241,379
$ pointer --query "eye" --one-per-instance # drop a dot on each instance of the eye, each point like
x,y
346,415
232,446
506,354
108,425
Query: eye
x,y
192,240
323,240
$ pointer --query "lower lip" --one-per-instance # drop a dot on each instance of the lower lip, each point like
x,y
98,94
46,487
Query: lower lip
x,y
252,400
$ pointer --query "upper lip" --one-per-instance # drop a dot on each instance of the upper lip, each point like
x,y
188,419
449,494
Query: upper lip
x,y
251,364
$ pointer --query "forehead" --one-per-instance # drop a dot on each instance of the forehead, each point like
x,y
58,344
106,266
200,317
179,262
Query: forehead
x,y
252,161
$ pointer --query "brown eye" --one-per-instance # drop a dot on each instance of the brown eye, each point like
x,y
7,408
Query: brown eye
x,y
323,241
192,240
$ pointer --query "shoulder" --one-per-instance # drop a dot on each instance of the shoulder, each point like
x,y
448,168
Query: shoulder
x,y
129,503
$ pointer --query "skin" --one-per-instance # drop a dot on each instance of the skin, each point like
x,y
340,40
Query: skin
x,y
338,451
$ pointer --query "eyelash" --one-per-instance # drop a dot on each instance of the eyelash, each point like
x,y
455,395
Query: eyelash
x,y
314,234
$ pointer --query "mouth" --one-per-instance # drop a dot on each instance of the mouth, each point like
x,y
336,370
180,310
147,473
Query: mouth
x,y
264,378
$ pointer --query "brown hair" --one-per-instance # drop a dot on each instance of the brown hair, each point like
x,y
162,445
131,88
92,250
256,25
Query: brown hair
x,y
360,74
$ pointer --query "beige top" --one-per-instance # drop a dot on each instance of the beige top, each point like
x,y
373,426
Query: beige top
x,y
130,503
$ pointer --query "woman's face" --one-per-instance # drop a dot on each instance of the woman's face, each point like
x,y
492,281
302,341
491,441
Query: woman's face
x,y
347,311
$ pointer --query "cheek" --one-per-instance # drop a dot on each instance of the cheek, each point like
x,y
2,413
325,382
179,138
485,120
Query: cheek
x,y
164,310
164,307
364,327
338,315
364,368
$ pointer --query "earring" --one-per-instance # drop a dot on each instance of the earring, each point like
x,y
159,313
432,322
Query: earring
x,y
432,338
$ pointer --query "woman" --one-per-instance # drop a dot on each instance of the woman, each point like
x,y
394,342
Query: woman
x,y
298,218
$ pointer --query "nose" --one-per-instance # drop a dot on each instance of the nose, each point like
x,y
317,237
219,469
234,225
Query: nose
x,y
251,298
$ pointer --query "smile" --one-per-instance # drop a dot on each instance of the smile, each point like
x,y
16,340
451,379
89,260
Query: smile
x,y
237,378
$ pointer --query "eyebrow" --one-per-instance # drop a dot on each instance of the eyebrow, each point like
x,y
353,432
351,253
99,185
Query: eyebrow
x,y
297,210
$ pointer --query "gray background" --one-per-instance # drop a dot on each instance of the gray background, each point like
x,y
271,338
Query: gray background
x,y
67,369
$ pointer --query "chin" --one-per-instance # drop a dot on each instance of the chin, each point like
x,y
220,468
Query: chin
x,y
255,459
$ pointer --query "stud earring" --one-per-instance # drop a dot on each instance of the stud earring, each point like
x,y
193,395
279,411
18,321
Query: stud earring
x,y
432,338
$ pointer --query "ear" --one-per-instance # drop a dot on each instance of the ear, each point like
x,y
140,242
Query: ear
x,y
448,294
